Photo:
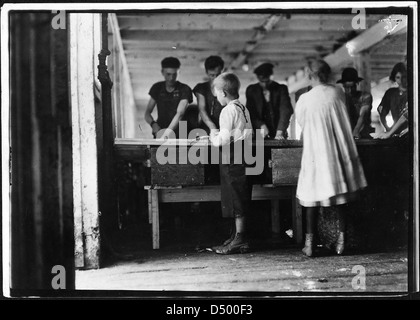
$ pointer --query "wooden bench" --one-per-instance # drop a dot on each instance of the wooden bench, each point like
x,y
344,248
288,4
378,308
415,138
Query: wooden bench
x,y
207,193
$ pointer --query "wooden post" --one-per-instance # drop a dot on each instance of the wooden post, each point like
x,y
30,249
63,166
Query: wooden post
x,y
107,191
41,223
361,63
85,153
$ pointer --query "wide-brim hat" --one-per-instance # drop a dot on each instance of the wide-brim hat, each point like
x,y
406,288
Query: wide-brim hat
x,y
349,75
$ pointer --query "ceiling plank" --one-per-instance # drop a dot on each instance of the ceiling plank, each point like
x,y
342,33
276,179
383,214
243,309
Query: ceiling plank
x,y
191,21
250,45
231,21
230,36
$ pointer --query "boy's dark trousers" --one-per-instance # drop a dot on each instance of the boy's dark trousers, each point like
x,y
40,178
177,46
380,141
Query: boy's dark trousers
x,y
235,186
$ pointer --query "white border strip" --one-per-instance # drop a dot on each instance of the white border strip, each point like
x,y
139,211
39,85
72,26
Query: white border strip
x,y
416,189
207,5
5,151
5,98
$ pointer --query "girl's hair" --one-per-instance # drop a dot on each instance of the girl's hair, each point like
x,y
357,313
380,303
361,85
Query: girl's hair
x,y
228,82
399,67
319,69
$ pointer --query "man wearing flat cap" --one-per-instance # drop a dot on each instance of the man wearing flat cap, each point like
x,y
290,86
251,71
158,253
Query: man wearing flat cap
x,y
269,104
358,103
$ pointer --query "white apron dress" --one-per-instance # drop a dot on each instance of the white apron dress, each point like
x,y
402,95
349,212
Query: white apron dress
x,y
331,172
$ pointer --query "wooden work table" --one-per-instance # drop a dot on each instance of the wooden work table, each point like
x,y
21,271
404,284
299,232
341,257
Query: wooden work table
x,y
191,183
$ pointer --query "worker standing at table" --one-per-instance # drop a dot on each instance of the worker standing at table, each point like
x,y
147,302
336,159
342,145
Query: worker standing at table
x,y
358,103
269,104
395,101
171,98
331,173
208,105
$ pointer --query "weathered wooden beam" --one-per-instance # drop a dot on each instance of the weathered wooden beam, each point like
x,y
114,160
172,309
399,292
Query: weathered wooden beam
x,y
366,40
188,21
85,156
344,55
139,51
201,21
362,64
39,234
223,45
260,34
125,96
218,36
195,61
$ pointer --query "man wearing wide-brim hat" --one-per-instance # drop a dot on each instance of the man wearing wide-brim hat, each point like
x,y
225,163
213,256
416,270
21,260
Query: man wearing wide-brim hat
x,y
359,104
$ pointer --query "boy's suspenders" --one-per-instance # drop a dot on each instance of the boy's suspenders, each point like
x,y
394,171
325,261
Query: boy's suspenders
x,y
238,104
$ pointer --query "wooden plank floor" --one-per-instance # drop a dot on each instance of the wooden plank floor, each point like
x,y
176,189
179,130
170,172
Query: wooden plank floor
x,y
273,270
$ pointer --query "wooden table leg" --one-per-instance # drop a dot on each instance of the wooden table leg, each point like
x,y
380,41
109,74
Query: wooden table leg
x,y
149,205
275,216
154,207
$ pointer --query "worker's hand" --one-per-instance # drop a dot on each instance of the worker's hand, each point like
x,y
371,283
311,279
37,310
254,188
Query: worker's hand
x,y
155,129
212,126
214,131
356,135
264,131
280,135
384,135
165,134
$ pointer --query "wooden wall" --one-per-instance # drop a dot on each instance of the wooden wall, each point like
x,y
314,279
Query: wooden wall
x,y
125,123
40,128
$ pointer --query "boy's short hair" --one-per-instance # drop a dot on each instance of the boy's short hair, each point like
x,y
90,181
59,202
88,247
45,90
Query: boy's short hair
x,y
228,82
170,62
213,62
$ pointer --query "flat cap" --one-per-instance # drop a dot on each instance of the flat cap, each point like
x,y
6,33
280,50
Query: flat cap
x,y
266,69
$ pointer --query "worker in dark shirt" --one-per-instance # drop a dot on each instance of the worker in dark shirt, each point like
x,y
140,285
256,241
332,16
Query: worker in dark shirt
x,y
395,101
358,103
171,98
269,104
208,105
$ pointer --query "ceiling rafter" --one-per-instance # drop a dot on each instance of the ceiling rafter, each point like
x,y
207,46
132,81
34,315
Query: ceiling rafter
x,y
259,34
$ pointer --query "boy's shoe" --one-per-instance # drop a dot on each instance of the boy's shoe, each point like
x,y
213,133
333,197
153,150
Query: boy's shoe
x,y
238,245
225,243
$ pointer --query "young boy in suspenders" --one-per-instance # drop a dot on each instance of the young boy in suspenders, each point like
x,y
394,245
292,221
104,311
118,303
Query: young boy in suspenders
x,y
235,127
